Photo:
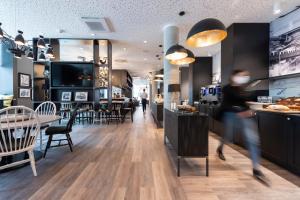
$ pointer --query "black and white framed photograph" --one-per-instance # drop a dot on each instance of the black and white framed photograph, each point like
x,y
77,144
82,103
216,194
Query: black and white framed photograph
x,y
24,80
66,96
285,46
24,93
81,96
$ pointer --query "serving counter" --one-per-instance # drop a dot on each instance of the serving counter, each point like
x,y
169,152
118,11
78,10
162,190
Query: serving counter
x,y
279,135
157,110
188,135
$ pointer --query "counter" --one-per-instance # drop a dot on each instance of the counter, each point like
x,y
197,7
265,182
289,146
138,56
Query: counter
x,y
279,135
157,110
188,135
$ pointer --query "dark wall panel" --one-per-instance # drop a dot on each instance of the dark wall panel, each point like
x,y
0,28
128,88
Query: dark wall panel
x,y
184,83
246,47
200,74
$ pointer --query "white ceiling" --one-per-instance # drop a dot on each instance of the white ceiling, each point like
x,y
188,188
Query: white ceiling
x,y
133,21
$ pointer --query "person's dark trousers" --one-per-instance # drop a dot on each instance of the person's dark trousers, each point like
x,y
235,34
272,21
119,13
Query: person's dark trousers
x,y
144,103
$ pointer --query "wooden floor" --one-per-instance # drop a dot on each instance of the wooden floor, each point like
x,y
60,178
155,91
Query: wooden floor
x,y
129,161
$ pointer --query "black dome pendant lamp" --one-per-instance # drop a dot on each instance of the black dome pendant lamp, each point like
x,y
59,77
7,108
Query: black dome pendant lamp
x,y
205,33
42,56
41,43
30,55
184,61
176,52
19,39
49,52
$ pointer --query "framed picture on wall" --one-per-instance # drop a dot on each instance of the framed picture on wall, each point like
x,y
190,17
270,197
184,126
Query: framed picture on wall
x,y
66,96
24,80
24,93
81,96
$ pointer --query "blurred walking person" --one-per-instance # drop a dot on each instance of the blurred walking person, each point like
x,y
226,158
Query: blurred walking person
x,y
234,110
144,97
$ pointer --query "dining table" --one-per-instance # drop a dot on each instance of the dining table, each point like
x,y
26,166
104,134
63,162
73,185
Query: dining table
x,y
38,154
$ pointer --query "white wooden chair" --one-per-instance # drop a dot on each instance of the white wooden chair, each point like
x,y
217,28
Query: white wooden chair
x,y
19,127
45,108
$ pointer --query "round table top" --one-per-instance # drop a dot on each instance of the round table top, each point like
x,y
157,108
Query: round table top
x,y
43,119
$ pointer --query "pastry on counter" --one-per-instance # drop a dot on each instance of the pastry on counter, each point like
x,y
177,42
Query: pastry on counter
x,y
278,107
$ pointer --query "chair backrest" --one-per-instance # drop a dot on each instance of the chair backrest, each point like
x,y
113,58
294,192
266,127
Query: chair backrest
x,y
66,106
19,127
46,108
72,118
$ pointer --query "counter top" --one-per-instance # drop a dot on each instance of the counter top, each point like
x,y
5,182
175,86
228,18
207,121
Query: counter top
x,y
185,113
278,111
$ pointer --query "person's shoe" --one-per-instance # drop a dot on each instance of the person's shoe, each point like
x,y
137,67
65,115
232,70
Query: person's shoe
x,y
261,177
220,154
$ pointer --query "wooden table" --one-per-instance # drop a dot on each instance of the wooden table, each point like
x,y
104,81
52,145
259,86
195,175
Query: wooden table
x,y
44,120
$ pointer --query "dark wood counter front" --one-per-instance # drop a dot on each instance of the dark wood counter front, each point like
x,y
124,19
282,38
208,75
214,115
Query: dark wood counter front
x,y
157,110
188,135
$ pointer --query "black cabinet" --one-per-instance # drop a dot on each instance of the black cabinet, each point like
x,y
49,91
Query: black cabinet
x,y
188,135
273,135
294,143
246,47
200,75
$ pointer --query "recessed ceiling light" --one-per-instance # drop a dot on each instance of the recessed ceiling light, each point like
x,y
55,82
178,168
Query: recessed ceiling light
x,y
124,49
92,34
181,13
145,41
276,8
145,58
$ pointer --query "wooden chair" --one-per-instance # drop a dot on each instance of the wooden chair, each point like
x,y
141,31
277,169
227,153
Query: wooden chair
x,y
61,130
19,127
46,108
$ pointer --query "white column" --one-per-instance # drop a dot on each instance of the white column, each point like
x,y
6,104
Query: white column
x,y
171,72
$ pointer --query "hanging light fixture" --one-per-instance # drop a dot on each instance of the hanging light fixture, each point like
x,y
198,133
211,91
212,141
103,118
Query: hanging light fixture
x,y
184,61
158,79
19,39
41,42
1,31
18,55
160,73
176,52
49,52
30,55
42,56
206,33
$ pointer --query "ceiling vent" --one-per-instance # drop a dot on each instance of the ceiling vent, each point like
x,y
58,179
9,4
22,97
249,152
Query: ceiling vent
x,y
96,24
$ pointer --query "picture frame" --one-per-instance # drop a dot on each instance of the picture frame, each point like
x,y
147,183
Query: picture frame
x,y
24,80
81,96
66,96
24,92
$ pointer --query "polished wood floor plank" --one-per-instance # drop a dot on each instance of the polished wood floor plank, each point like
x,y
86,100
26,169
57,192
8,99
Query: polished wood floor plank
x,y
129,161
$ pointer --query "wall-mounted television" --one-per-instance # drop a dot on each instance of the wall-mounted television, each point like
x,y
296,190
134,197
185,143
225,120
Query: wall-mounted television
x,y
71,74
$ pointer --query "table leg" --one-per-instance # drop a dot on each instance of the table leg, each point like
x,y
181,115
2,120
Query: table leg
x,y
178,166
207,166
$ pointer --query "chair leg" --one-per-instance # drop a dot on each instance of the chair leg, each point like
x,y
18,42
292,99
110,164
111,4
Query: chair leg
x,y
32,162
70,138
48,145
41,140
69,141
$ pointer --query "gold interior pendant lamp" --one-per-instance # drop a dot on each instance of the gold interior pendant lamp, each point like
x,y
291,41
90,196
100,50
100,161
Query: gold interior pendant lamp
x,y
184,61
176,52
205,33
